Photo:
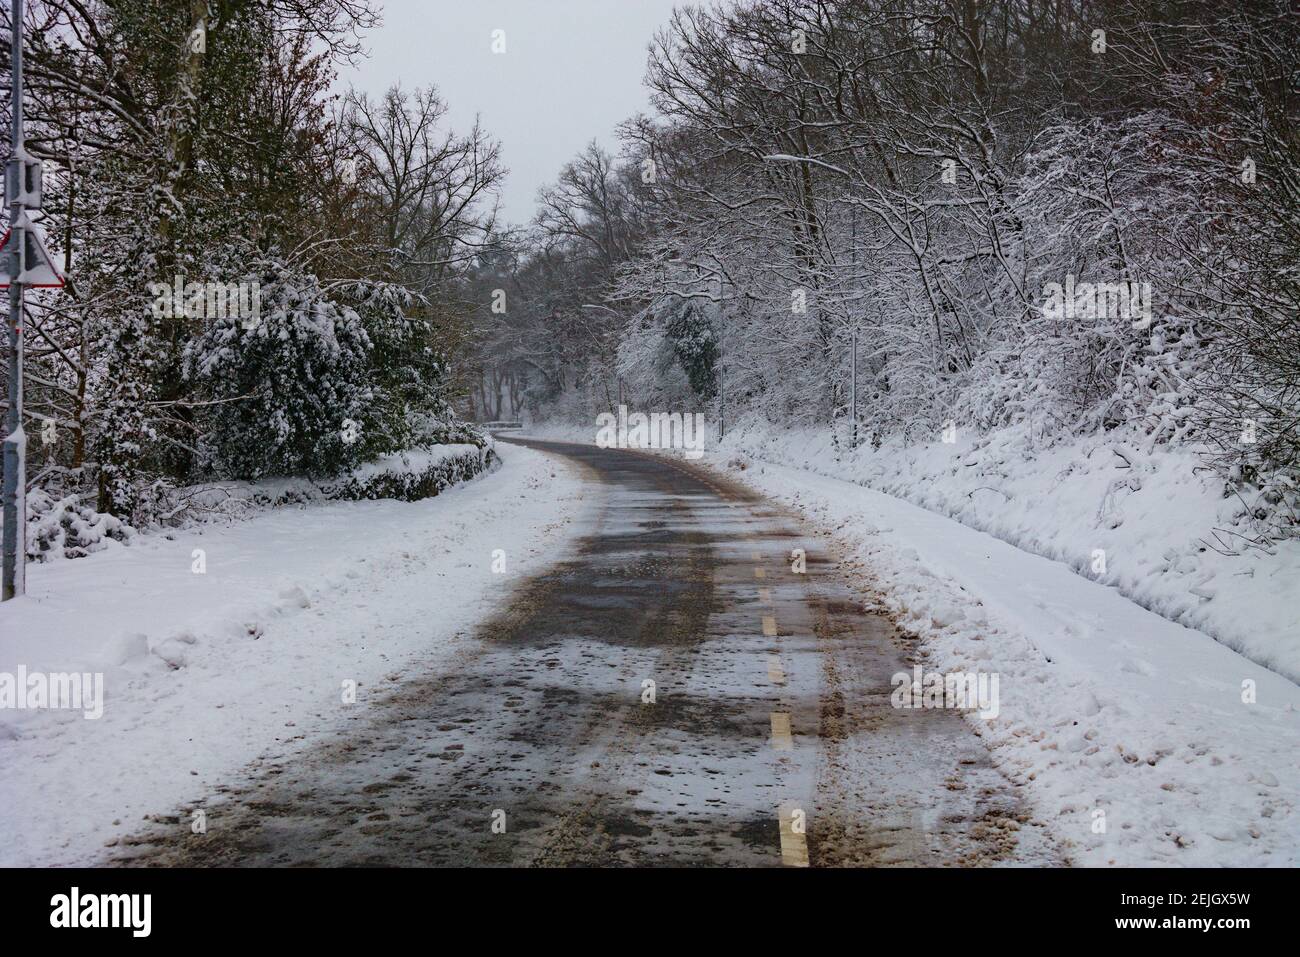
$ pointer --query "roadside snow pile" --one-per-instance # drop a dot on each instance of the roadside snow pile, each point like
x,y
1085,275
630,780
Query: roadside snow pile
x,y
1148,521
1143,743
228,642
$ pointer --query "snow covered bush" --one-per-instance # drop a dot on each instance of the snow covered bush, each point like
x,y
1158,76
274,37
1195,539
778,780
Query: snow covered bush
x,y
68,528
432,430
415,473
289,391
408,372
321,380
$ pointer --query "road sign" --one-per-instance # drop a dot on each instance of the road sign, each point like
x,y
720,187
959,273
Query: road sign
x,y
23,182
37,268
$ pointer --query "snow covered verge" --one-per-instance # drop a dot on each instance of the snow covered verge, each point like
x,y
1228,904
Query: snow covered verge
x,y
204,672
1147,520
66,527
1142,742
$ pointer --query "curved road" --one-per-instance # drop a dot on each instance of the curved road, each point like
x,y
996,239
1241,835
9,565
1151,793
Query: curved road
x,y
766,737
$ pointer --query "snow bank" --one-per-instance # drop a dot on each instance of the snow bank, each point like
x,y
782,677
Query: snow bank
x,y
1149,522
226,641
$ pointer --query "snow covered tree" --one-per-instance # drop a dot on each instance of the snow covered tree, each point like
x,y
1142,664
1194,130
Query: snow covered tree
x,y
288,391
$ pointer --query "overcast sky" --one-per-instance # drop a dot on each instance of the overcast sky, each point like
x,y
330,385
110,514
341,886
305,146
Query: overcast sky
x,y
572,71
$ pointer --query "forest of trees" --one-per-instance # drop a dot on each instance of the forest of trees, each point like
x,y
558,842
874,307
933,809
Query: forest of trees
x,y
912,175
918,173
205,142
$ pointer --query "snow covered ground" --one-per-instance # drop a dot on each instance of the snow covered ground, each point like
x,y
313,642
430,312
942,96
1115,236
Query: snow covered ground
x,y
1184,751
249,657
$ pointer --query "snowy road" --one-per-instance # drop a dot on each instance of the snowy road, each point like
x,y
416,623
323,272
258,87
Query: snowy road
x,y
767,736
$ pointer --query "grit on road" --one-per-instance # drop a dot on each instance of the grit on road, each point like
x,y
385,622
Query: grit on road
x,y
672,693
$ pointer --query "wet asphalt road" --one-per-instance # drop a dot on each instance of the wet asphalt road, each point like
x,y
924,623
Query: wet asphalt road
x,y
770,739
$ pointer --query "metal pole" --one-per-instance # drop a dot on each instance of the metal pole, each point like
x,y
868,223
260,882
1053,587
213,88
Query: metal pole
x,y
853,381
15,477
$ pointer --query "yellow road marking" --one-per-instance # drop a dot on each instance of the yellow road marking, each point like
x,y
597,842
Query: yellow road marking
x,y
758,556
774,670
794,843
769,626
759,573
781,739
765,596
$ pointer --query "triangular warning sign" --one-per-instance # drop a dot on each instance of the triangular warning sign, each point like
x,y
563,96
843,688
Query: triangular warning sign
x,y
37,268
